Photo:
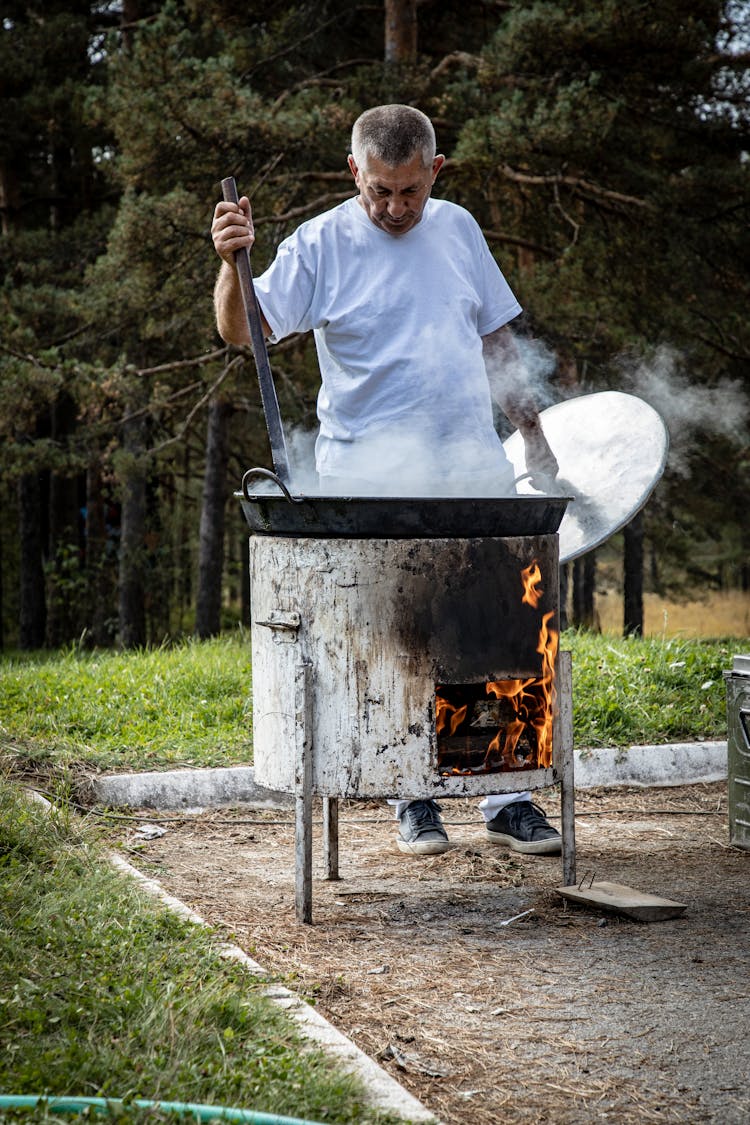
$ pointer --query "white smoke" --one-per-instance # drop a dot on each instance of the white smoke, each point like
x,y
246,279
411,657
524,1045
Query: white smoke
x,y
689,408
300,447
531,369
438,455
408,460
399,460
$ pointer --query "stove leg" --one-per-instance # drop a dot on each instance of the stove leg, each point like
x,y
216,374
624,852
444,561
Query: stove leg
x,y
303,795
567,779
331,837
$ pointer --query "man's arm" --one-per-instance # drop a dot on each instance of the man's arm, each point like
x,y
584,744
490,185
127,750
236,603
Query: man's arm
x,y
231,230
504,370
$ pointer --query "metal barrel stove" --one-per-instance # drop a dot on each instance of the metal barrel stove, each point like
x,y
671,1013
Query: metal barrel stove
x,y
393,641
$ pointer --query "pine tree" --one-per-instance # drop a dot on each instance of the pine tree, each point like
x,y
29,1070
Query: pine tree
x,y
50,188
598,144
604,150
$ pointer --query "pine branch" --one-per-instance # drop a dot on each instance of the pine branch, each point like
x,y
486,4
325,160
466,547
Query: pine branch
x,y
289,48
578,184
207,357
524,243
236,362
311,208
455,58
344,174
322,78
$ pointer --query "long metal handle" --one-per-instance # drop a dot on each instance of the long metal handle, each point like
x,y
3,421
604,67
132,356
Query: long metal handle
x,y
260,351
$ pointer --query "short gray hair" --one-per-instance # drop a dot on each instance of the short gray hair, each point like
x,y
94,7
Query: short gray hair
x,y
393,134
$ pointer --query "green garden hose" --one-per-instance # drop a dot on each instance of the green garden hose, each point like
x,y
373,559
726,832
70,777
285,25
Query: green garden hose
x,y
106,1105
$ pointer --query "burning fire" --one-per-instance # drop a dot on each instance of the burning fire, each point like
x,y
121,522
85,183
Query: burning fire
x,y
532,701
531,576
447,713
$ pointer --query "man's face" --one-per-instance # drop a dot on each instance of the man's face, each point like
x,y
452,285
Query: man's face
x,y
394,198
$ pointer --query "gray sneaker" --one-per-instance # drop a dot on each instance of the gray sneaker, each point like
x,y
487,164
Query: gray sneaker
x,y
522,826
421,830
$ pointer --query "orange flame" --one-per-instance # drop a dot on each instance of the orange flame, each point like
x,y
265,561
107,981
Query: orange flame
x,y
533,700
531,576
447,713
513,731
547,648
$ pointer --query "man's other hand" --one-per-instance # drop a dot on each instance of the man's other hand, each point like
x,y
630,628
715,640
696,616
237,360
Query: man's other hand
x,y
541,462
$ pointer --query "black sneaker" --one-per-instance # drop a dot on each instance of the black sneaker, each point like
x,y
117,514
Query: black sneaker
x,y
522,826
421,830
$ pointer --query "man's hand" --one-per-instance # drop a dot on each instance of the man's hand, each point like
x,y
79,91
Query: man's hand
x,y
540,460
232,229
509,381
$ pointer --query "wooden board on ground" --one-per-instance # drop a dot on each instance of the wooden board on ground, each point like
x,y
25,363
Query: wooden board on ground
x,y
616,898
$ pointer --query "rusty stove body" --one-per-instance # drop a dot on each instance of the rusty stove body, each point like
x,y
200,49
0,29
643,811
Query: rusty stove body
x,y
374,661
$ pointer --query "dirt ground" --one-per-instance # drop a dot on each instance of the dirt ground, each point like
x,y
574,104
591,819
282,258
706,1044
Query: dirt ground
x,y
565,1015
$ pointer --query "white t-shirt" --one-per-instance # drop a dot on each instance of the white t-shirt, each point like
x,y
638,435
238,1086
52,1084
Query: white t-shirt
x,y
398,322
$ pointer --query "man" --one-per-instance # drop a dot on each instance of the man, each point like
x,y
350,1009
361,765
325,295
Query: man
x,y
410,312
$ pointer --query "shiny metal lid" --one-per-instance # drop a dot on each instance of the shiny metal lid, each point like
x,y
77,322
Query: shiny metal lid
x,y
611,448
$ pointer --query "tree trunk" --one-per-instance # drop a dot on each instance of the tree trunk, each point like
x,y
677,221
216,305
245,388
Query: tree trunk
x,y
211,548
633,577
33,609
584,585
99,573
132,605
183,588
10,198
744,555
400,31
64,608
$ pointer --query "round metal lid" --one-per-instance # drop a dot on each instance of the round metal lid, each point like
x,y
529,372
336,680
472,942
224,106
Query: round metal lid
x,y
611,448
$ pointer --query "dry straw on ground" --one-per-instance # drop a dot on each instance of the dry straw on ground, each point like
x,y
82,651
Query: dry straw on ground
x,y
563,1016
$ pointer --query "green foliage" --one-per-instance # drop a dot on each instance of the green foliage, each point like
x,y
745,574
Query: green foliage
x,y
609,143
185,705
647,691
103,993
588,112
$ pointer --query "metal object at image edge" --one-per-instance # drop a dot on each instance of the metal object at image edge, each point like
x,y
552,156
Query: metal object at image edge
x,y
738,751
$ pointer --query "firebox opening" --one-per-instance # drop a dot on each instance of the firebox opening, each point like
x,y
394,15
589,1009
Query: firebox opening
x,y
492,727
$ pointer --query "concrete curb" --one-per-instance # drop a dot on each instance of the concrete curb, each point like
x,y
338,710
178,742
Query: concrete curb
x,y
384,1091
188,788
677,763
680,763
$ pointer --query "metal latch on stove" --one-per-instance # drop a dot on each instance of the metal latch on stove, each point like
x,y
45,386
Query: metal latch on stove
x,y
283,625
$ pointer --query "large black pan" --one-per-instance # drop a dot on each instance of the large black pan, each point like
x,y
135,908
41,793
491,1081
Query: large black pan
x,y
395,517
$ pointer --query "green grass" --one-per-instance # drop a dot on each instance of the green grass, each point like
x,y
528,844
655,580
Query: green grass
x,y
191,704
184,705
645,690
105,993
